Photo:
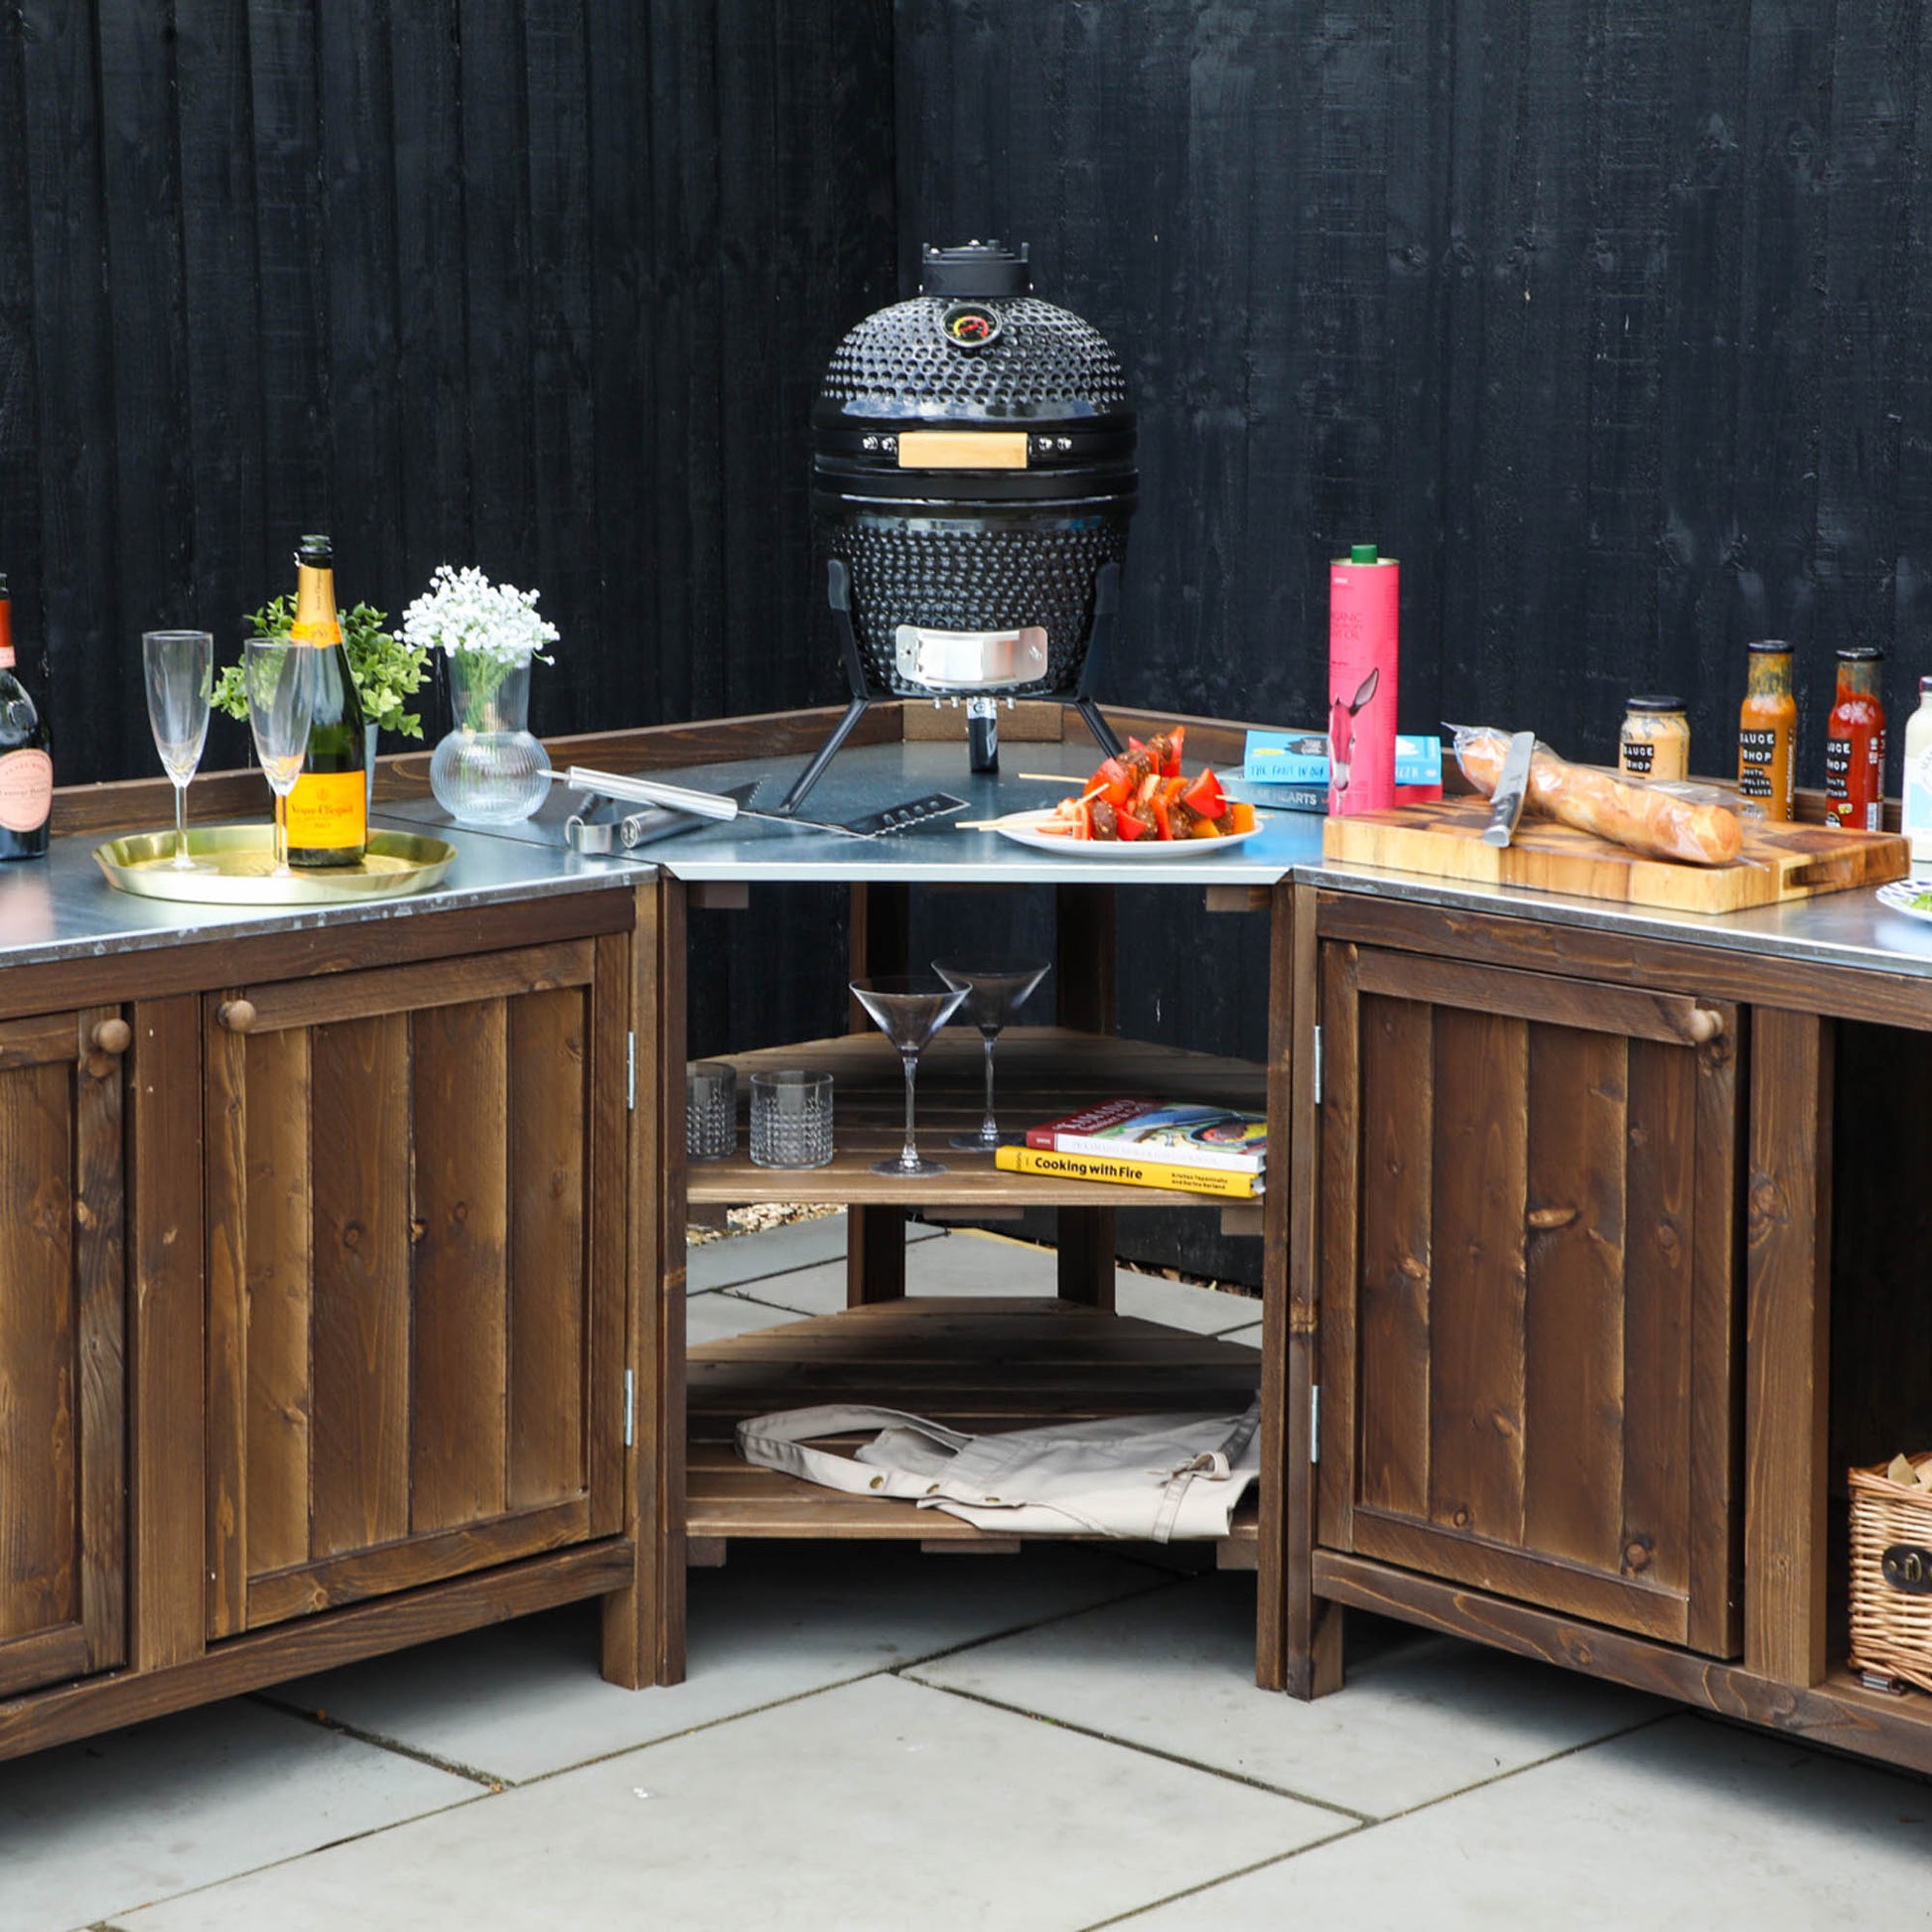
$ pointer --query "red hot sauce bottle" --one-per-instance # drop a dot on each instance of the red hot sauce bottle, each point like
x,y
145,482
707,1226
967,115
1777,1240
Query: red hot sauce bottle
x,y
1854,744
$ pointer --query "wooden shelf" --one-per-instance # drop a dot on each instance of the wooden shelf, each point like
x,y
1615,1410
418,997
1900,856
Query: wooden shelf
x,y
976,1364
1041,1072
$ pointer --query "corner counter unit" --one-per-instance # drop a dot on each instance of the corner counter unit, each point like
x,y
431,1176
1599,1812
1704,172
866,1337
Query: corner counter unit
x,y
343,1258
1612,1262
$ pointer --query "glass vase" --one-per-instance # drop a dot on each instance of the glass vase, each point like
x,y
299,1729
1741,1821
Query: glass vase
x,y
490,771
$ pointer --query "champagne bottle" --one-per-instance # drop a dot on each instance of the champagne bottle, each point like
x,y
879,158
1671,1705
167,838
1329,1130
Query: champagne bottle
x,y
328,811
26,756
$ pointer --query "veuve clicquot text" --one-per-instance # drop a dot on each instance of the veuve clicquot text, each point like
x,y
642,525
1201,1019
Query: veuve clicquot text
x,y
26,756
328,811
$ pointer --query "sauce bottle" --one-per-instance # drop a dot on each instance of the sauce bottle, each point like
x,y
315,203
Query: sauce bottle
x,y
1854,744
1768,730
1915,817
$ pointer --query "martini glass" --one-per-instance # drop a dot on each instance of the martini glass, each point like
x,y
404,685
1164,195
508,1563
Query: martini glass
x,y
908,1012
995,988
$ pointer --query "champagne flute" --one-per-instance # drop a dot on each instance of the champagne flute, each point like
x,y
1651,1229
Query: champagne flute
x,y
180,667
908,1010
995,988
276,676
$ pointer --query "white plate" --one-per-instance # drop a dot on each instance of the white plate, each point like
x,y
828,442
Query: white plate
x,y
1021,830
1900,894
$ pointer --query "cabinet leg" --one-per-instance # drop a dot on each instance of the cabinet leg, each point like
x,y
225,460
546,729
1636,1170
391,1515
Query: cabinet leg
x,y
1311,1656
1086,1256
875,1255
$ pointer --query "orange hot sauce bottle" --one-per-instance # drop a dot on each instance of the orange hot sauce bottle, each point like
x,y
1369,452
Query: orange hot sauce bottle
x,y
1854,744
1768,730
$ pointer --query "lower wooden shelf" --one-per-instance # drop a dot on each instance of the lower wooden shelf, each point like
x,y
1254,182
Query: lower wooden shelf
x,y
978,1364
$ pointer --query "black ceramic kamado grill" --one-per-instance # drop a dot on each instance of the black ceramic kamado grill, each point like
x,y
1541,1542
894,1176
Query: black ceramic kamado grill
x,y
972,482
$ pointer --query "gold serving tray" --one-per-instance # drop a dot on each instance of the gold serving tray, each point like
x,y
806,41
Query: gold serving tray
x,y
234,866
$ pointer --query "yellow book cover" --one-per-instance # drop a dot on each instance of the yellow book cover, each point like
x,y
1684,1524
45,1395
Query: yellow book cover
x,y
1129,1173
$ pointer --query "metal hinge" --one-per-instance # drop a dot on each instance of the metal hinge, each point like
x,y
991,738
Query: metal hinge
x,y
631,1082
1315,1423
630,1407
1317,1067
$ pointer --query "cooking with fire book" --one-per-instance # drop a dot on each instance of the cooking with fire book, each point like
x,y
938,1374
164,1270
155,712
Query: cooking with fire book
x,y
1176,1133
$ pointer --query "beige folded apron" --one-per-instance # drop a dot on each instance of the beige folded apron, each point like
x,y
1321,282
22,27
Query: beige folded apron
x,y
1156,1478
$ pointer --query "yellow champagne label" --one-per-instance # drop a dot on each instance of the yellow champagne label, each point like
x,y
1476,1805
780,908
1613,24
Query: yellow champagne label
x,y
328,811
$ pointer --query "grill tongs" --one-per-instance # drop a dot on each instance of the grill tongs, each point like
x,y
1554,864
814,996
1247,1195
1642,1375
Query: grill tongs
x,y
672,807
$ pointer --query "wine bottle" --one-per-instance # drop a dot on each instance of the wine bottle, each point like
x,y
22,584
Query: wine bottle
x,y
328,811
26,756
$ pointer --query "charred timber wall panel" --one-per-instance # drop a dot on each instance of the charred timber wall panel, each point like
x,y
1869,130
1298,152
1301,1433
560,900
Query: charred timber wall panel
x,y
1605,318
542,283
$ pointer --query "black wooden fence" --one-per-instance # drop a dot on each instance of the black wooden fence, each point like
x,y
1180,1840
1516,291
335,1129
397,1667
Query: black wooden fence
x,y
1609,318
544,285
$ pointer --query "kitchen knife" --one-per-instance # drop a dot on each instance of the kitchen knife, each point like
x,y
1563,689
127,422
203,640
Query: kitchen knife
x,y
1506,801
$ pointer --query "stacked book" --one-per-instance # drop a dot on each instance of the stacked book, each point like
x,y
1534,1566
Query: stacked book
x,y
1151,1144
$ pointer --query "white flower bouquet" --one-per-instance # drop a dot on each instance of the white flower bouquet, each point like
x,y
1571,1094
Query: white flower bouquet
x,y
463,611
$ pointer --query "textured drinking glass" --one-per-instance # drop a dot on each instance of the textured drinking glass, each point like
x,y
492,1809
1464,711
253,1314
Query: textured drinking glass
x,y
275,674
710,1110
995,988
791,1118
908,1010
179,670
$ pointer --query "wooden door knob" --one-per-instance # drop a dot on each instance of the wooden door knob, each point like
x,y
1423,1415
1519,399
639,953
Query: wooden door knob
x,y
113,1036
1706,1025
238,1016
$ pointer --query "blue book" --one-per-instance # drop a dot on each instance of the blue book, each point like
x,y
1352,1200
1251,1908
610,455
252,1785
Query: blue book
x,y
1300,758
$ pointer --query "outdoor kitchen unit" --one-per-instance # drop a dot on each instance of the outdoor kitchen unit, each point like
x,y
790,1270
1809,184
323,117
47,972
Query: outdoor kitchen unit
x,y
973,479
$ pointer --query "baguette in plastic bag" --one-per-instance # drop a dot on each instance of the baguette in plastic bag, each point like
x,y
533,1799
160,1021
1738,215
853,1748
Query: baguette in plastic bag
x,y
1650,822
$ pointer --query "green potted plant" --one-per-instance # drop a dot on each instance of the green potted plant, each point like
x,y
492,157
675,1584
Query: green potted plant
x,y
388,671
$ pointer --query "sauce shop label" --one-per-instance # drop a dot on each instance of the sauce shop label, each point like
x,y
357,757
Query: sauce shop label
x,y
1756,753
1854,782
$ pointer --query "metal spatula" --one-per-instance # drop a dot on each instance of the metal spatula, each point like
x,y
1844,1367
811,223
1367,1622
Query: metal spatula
x,y
736,803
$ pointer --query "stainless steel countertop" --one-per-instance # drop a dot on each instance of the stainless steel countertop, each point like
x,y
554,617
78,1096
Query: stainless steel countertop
x,y
64,908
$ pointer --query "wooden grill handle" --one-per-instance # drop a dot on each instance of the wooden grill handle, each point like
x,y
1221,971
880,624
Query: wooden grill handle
x,y
112,1036
238,1016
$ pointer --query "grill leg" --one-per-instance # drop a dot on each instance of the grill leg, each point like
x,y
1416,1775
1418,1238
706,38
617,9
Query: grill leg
x,y
982,732
808,778
838,594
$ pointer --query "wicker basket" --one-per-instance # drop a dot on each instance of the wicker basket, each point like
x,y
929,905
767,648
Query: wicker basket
x,y
1891,1627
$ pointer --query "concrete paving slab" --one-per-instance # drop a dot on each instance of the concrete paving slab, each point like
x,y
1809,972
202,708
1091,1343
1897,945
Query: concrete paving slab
x,y
716,1316
775,1251
1248,1337
91,1829
879,1805
1687,1823
970,1262
779,1619
1425,1718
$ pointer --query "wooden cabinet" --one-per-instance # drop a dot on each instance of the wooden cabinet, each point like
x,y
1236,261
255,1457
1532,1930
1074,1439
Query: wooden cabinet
x,y
1529,1288
62,1533
415,1274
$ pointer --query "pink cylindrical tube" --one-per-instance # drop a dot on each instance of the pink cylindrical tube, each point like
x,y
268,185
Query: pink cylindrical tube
x,y
1363,669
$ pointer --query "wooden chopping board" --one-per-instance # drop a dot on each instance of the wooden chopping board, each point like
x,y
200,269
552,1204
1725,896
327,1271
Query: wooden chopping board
x,y
1445,840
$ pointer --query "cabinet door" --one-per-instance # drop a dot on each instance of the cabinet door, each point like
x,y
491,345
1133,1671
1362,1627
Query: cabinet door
x,y
1529,1345
415,1274
62,1430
